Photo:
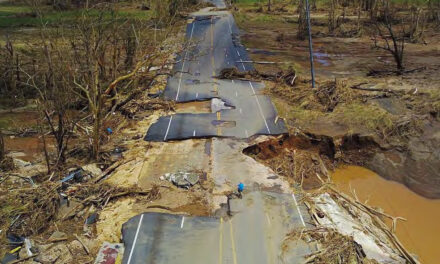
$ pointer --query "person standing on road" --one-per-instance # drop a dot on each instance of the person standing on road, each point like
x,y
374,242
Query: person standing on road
x,y
240,189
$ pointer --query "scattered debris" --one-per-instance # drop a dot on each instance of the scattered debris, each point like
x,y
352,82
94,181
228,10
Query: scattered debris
x,y
182,179
91,219
57,236
74,175
92,169
287,77
110,254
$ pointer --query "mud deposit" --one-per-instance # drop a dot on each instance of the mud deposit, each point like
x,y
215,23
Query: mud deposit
x,y
420,234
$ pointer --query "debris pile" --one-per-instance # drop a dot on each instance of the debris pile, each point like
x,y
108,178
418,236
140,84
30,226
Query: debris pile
x,y
288,77
145,105
182,179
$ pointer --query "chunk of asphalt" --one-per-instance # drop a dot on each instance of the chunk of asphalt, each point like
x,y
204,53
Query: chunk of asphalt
x,y
218,105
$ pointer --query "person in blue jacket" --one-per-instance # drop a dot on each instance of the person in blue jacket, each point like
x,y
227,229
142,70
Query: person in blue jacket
x,y
240,189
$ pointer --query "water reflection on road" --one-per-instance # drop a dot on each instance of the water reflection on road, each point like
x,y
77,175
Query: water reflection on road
x,y
421,233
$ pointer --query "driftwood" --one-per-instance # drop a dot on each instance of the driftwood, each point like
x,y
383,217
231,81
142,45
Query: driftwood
x,y
264,62
358,87
23,259
287,77
84,246
111,169
374,214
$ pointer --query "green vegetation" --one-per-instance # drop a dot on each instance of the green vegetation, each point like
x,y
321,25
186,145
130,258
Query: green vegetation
x,y
23,16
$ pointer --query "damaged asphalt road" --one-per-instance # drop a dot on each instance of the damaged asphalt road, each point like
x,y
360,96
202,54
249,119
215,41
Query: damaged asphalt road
x,y
213,45
257,227
255,234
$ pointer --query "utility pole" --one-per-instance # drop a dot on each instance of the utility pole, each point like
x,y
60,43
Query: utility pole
x,y
312,68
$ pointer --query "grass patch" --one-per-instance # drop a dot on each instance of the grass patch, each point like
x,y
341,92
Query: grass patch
x,y
371,117
295,112
9,10
22,16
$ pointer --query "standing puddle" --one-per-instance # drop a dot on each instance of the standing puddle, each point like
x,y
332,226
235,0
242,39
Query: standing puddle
x,y
421,233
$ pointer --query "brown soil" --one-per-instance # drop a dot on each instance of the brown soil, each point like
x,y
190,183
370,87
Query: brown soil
x,y
194,107
294,157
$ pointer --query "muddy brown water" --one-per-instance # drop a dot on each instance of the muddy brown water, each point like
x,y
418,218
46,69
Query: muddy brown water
x,y
421,232
28,148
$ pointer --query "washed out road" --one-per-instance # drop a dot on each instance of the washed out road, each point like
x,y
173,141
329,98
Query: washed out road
x,y
260,223
213,45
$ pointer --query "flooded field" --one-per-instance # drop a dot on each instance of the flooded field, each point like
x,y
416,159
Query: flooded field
x,y
421,233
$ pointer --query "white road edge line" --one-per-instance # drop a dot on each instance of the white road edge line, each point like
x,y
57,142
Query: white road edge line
x,y
168,129
242,64
183,221
246,132
238,53
268,219
194,133
229,23
299,211
259,107
183,64
135,239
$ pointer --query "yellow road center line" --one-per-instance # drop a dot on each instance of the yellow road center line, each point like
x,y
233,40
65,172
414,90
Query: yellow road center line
x,y
212,34
219,129
234,253
220,246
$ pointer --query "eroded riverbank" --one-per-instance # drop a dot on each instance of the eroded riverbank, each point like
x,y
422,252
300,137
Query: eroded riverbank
x,y
420,233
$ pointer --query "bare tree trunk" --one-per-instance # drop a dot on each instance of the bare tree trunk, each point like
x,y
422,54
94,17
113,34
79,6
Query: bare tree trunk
x,y
333,15
46,154
418,19
268,5
392,40
302,21
359,15
2,147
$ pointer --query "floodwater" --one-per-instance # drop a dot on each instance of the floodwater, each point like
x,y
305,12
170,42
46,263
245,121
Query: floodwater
x,y
421,233
28,148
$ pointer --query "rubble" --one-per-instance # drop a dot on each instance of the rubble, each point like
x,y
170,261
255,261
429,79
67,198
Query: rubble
x,y
182,179
92,170
110,253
